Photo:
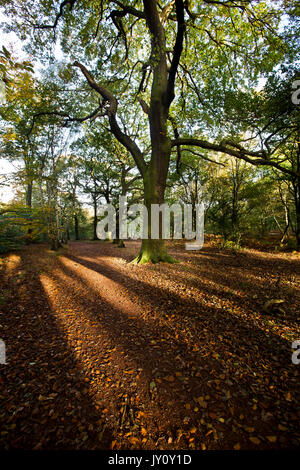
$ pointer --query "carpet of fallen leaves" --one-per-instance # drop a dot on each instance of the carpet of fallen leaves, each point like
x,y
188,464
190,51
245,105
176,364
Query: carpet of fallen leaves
x,y
102,354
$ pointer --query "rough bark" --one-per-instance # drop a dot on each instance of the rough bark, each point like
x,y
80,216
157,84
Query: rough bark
x,y
153,250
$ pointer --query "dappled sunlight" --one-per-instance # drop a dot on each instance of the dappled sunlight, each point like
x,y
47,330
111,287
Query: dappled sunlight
x,y
167,320
104,286
82,338
42,376
138,348
77,322
10,263
207,290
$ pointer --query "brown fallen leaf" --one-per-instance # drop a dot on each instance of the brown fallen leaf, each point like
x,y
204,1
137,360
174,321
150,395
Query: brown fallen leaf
x,y
255,440
282,428
272,438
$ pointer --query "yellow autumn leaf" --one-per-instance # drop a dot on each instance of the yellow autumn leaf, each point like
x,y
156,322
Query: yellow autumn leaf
x,y
248,429
133,440
288,396
255,440
272,438
282,428
113,443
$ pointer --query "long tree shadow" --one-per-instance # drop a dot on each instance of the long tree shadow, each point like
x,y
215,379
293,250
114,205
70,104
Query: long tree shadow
x,y
210,291
196,309
248,276
239,288
44,393
258,353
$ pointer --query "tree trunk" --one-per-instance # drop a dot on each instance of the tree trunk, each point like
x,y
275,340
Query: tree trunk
x,y
162,95
118,241
296,190
76,227
29,194
95,221
287,224
235,199
29,204
297,206
154,187
55,244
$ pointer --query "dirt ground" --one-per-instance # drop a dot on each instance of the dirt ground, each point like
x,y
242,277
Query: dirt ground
x,y
102,354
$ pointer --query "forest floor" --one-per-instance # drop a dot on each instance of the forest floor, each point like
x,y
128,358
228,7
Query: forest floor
x,y
102,354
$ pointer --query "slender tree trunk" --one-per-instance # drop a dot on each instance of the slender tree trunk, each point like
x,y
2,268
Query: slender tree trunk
x,y
29,194
296,191
287,224
76,227
95,221
29,205
118,241
235,198
297,207
55,244
296,188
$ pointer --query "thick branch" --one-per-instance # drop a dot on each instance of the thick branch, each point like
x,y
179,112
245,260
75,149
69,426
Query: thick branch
x,y
229,3
178,148
204,157
130,10
164,14
123,138
59,15
92,115
144,106
176,51
106,95
260,158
